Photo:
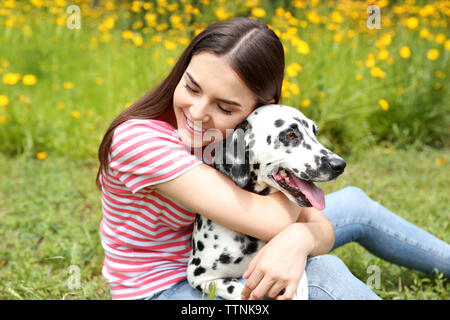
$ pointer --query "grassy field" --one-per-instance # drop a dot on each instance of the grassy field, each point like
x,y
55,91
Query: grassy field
x,y
51,212
379,96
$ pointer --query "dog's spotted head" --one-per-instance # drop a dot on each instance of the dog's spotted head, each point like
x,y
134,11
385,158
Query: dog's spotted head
x,y
277,147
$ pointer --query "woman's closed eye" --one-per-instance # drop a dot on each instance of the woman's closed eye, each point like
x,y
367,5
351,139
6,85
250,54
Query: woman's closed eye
x,y
218,105
190,89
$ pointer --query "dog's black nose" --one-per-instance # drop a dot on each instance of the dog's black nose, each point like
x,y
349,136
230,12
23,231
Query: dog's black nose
x,y
338,165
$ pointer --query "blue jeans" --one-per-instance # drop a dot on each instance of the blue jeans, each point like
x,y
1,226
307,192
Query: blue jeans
x,y
356,217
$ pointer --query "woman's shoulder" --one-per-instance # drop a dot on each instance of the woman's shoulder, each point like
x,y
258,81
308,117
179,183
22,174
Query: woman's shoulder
x,y
145,124
137,132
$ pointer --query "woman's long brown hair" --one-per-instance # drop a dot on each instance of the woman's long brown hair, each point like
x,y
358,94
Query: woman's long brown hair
x,y
254,52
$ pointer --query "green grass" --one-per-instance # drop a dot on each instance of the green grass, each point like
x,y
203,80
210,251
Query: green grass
x,y
51,213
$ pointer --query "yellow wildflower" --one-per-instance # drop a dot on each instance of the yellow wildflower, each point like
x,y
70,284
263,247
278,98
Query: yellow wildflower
x,y
383,104
259,12
136,6
11,78
4,100
137,40
37,3
285,89
302,47
294,88
383,54
412,22
61,105
293,69
221,14
313,17
376,72
3,120
157,38
188,8
68,85
151,19
439,74
405,52
41,155
127,34
447,44
424,33
29,79
173,7
170,45
76,114
427,10
337,37
370,62
279,12
386,39
440,38
183,41
305,103
175,19
163,26
359,76
440,161
433,54
336,17
108,22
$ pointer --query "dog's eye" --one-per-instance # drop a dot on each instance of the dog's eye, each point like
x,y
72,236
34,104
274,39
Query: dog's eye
x,y
291,136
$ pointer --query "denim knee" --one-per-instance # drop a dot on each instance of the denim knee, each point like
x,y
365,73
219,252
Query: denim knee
x,y
358,202
355,192
330,279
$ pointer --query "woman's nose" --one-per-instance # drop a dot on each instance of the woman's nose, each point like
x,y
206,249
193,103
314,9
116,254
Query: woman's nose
x,y
199,112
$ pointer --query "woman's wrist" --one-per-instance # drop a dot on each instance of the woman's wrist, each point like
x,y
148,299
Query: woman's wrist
x,y
305,237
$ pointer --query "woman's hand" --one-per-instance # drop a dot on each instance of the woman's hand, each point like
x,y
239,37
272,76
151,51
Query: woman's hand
x,y
279,265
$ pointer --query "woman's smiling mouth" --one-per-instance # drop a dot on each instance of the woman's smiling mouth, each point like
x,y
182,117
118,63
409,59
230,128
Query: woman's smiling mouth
x,y
191,127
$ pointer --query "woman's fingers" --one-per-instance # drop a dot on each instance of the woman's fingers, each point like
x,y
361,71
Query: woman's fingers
x,y
288,294
277,289
253,263
261,289
253,280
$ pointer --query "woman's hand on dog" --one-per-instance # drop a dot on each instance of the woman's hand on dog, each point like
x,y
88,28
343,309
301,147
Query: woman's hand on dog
x,y
277,268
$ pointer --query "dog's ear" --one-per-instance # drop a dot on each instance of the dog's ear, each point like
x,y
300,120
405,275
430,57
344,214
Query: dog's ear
x,y
232,156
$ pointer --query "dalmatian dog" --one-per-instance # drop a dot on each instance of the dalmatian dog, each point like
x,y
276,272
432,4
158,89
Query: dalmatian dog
x,y
274,149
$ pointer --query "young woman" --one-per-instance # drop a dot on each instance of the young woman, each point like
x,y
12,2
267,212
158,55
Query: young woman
x,y
152,185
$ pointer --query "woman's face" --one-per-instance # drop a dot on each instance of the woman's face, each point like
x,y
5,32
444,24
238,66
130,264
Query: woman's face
x,y
209,99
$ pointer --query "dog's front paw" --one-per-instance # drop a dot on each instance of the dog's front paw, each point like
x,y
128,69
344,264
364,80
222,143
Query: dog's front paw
x,y
227,288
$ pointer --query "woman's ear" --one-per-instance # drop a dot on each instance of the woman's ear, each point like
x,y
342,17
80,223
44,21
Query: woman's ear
x,y
272,101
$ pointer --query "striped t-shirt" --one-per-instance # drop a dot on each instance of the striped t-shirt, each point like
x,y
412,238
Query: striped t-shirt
x,y
146,235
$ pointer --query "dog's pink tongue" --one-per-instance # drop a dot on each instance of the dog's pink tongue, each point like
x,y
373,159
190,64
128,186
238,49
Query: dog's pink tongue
x,y
311,191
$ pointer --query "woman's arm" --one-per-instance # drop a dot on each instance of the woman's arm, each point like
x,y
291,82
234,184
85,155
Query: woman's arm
x,y
320,229
212,194
280,264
